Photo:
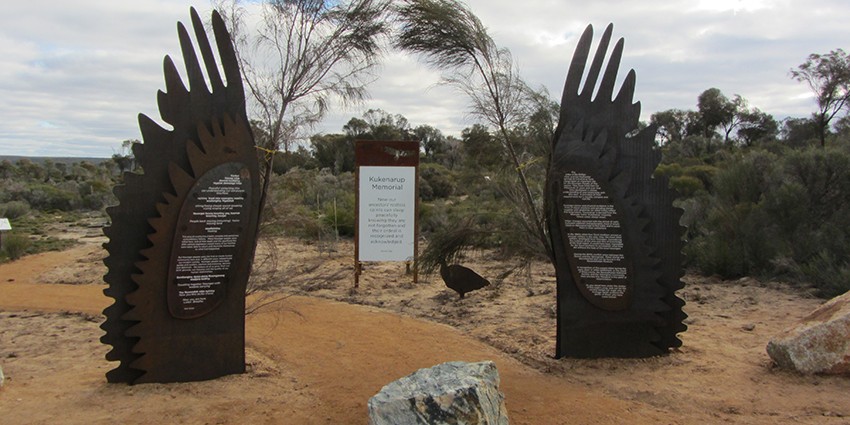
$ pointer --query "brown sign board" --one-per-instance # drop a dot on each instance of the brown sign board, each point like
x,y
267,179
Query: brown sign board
x,y
386,178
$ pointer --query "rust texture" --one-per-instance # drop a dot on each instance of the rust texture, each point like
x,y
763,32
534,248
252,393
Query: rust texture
x,y
177,267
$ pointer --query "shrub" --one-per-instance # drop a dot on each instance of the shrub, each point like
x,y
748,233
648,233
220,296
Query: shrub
x,y
776,214
15,245
14,209
45,197
824,175
668,170
426,193
438,180
829,276
705,173
340,217
745,179
686,186
737,241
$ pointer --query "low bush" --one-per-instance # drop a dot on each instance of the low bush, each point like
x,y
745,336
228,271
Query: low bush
x,y
686,185
15,245
772,214
826,274
14,209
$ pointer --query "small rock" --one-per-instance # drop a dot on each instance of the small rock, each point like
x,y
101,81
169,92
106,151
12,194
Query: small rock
x,y
450,393
2,378
820,344
749,327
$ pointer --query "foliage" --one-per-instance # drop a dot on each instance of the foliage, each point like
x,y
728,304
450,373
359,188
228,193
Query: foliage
x,y
285,161
14,209
686,185
448,245
828,76
757,126
29,234
451,38
433,142
700,148
125,161
732,118
49,185
304,54
784,214
15,245
338,214
718,111
438,181
830,276
799,132
311,204
481,151
333,152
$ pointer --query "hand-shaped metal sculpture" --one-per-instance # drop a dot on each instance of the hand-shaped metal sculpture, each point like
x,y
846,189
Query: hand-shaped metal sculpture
x,y
182,238
614,230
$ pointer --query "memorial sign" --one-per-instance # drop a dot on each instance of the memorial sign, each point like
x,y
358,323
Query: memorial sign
x,y
616,236
595,242
210,230
183,235
387,201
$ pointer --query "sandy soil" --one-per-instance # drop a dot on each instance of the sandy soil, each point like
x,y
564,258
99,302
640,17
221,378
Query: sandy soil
x,y
320,348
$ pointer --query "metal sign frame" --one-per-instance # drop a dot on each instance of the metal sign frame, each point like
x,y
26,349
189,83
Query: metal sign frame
x,y
383,153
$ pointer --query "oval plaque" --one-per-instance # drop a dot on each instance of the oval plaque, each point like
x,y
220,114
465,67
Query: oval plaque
x,y
207,239
594,237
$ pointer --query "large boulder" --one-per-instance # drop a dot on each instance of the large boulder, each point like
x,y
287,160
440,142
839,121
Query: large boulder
x,y
450,393
820,344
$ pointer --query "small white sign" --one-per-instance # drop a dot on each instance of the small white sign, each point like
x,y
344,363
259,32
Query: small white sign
x,y
4,224
386,229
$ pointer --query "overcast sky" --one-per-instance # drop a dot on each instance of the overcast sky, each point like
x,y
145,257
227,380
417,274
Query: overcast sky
x,y
74,75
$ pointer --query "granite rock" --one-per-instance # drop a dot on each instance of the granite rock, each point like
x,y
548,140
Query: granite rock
x,y
820,344
450,393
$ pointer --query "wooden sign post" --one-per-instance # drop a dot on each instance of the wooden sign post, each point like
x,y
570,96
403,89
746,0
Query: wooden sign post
x,y
387,203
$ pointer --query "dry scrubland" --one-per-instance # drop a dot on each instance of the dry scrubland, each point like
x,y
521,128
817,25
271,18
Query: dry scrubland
x,y
322,348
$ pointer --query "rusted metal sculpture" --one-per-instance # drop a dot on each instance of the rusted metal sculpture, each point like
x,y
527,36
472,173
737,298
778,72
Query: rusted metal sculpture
x,y
615,233
183,235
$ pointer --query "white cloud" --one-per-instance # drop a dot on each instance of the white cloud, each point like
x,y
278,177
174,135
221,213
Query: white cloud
x,y
74,75
733,5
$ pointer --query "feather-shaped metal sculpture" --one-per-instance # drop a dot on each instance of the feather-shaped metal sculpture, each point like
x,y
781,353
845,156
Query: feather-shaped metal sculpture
x,y
182,237
615,233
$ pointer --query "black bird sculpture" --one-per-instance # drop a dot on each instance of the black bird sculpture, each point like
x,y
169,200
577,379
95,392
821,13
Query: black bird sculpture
x,y
461,279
